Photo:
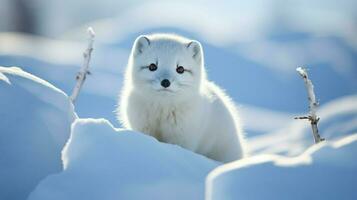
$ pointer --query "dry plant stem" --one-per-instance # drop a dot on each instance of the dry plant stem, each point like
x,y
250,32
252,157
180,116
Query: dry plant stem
x,y
82,74
312,105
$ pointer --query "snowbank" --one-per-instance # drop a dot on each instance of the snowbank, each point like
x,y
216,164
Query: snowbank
x,y
101,162
35,119
324,171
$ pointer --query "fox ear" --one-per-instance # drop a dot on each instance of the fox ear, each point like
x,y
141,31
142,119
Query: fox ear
x,y
140,44
196,49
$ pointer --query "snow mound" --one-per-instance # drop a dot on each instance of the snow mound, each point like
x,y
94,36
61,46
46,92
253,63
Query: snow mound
x,y
34,126
324,171
101,162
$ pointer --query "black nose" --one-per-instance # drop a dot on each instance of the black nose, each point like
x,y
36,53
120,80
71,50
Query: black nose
x,y
165,83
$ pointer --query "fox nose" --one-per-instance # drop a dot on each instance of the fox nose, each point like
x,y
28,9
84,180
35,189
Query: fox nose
x,y
165,83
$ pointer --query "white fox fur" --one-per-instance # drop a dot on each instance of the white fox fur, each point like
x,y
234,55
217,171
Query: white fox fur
x,y
191,112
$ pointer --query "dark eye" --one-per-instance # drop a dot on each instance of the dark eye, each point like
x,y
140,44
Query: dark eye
x,y
180,70
152,67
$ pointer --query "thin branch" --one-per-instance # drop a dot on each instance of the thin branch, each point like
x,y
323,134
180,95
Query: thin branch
x,y
82,74
312,105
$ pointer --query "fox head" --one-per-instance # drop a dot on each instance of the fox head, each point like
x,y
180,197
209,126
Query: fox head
x,y
166,65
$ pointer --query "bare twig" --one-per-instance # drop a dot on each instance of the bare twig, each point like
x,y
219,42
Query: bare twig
x,y
312,105
82,74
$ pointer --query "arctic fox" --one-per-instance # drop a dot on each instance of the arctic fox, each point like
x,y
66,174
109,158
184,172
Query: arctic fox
x,y
166,95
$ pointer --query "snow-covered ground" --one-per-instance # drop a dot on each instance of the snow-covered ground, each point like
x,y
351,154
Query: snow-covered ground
x,y
101,162
325,171
251,49
35,121
98,161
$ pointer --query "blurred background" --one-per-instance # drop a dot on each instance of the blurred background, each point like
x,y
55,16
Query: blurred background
x,y
251,49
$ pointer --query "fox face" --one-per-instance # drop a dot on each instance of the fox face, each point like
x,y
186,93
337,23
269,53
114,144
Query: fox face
x,y
166,65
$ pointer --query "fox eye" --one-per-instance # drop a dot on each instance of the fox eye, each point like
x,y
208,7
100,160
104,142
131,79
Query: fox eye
x,y
180,70
152,67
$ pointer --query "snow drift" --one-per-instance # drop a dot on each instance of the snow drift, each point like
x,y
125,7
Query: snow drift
x,y
101,162
324,171
34,126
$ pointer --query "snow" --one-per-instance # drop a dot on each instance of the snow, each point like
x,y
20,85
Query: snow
x,y
48,153
259,47
337,119
101,162
35,124
324,171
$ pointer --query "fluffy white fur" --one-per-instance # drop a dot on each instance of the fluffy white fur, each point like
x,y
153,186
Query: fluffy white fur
x,y
192,112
